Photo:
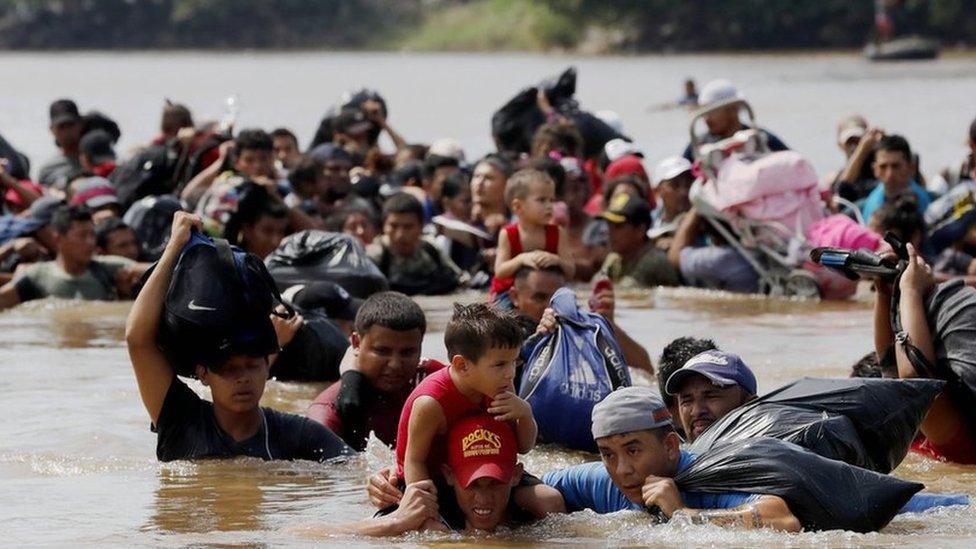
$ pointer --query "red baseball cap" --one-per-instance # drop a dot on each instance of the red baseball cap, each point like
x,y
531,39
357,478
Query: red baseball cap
x,y
626,165
480,447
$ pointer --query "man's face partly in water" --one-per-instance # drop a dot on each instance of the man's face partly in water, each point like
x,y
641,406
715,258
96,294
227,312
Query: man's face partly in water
x,y
387,357
701,403
237,384
631,457
485,501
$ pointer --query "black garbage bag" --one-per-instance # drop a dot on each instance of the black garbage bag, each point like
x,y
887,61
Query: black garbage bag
x,y
151,218
514,124
310,256
316,351
869,423
823,493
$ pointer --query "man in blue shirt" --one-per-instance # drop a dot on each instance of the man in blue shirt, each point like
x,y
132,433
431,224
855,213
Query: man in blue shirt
x,y
641,455
894,169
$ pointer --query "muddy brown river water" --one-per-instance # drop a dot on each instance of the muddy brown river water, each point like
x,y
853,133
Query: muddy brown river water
x,y
77,461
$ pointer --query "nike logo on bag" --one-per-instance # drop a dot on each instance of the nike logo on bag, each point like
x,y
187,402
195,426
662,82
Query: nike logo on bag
x,y
194,307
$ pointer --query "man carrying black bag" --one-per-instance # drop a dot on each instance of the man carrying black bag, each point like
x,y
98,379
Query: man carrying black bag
x,y
235,368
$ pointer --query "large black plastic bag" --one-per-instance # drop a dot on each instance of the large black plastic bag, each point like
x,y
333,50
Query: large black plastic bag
x,y
514,124
569,370
316,351
824,494
865,422
310,256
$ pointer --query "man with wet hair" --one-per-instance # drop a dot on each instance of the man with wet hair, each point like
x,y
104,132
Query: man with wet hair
x,y
76,273
708,386
641,454
386,366
894,167
66,127
673,357
232,424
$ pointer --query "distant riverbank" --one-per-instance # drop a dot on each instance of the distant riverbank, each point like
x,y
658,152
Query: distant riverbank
x,y
575,26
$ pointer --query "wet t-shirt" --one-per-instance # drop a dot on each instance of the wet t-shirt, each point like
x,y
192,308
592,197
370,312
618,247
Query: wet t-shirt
x,y
48,279
588,486
187,429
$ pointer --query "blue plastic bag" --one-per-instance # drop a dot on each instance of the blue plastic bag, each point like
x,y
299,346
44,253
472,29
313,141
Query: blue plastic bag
x,y
569,370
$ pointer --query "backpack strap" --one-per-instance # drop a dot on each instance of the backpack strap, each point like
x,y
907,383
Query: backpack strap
x,y
552,239
514,239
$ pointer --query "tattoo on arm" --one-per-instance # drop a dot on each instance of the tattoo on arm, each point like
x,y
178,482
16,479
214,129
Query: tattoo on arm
x,y
746,517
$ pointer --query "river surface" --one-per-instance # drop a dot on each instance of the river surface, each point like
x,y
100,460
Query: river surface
x,y
77,461
800,98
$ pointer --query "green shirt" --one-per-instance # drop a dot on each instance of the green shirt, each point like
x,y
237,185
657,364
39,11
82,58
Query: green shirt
x,y
651,268
48,279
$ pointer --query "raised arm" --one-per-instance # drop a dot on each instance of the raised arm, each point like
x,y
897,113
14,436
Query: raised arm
x,y
153,372
684,237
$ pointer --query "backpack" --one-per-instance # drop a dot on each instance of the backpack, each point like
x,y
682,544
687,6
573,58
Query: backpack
x,y
218,303
569,370
150,172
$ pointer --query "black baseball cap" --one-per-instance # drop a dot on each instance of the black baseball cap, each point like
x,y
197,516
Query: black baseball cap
x,y
97,145
352,122
64,111
626,208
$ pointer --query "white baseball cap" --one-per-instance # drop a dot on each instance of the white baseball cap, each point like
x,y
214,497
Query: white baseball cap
x,y
448,148
669,168
618,148
718,90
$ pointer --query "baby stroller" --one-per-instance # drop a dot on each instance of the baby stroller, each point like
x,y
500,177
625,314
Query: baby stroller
x,y
760,202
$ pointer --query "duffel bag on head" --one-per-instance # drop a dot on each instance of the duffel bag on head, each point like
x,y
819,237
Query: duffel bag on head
x,y
569,370
150,172
218,304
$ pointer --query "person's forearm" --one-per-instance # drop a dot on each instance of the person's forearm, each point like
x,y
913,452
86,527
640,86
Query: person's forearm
x,y
507,269
635,355
852,170
883,336
397,139
202,180
526,432
415,471
915,325
388,525
775,515
683,238
143,321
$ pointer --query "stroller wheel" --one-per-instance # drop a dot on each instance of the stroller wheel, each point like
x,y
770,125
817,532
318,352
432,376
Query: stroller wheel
x,y
802,284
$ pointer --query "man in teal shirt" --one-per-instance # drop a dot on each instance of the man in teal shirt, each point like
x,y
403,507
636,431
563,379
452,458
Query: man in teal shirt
x,y
894,169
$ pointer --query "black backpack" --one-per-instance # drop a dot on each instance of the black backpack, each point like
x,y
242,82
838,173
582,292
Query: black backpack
x,y
218,303
150,172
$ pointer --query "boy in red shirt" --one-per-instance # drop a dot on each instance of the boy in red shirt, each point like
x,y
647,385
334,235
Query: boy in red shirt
x,y
483,343
532,241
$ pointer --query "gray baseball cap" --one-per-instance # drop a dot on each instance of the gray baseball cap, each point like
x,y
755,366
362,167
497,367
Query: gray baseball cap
x,y
629,409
